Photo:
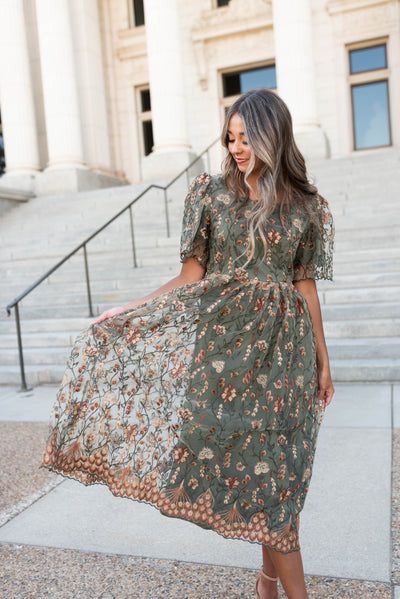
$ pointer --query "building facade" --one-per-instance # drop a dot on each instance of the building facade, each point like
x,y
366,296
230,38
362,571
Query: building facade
x,y
99,92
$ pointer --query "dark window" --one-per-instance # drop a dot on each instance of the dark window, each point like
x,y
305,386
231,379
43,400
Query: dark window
x,y
371,115
242,81
138,12
148,141
145,100
2,157
368,59
222,3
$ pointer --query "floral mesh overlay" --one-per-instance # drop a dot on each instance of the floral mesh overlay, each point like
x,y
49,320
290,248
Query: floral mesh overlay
x,y
203,401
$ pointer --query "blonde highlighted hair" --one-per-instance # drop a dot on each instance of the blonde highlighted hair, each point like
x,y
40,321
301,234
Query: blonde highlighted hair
x,y
268,129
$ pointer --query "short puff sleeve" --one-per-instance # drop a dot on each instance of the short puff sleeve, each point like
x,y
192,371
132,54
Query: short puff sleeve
x,y
196,222
314,255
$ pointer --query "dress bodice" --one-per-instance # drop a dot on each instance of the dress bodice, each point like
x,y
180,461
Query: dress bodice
x,y
215,232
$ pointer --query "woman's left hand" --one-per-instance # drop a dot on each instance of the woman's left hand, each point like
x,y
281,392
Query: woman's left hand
x,y
326,389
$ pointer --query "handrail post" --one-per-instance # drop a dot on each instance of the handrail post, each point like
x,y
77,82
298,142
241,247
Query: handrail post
x,y
24,386
132,237
166,212
88,282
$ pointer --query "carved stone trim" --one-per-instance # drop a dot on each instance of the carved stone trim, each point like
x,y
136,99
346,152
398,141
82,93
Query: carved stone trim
x,y
133,43
240,17
337,6
128,52
224,29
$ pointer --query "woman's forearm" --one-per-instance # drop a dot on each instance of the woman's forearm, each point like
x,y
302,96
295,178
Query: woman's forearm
x,y
191,272
177,281
309,290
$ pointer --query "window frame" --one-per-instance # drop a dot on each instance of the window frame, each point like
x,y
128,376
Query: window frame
x,y
131,15
2,152
379,75
227,101
376,45
141,117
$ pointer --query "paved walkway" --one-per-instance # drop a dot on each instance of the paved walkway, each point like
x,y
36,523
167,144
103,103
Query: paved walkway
x,y
61,539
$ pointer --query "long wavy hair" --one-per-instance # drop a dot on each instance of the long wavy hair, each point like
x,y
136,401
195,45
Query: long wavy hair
x,y
267,125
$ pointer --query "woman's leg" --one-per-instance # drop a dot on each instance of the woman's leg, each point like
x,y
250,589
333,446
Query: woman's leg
x,y
267,589
289,568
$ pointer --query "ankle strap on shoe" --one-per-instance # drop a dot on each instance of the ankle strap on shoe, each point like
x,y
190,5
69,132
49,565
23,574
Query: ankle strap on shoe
x,y
268,577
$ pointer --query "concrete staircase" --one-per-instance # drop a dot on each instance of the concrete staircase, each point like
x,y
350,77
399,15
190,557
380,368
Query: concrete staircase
x,y
361,308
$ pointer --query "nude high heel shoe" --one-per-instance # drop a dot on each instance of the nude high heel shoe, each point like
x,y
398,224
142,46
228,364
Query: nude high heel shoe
x,y
262,574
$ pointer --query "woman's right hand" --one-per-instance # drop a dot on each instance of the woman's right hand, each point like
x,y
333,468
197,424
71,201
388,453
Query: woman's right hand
x,y
109,314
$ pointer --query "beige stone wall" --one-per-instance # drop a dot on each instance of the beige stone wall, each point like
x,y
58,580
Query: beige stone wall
x,y
344,23
213,40
242,35
111,64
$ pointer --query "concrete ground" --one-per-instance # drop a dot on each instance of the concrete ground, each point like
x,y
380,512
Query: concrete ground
x,y
61,539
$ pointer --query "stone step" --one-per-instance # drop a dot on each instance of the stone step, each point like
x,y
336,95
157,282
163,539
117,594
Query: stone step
x,y
146,257
115,256
36,356
49,300
367,279
78,311
356,219
35,376
352,315
376,348
45,325
362,329
360,295
46,291
365,311
365,243
370,232
128,277
43,335
356,256
51,295
102,268
75,291
372,266
338,298
38,340
365,370
51,348
362,370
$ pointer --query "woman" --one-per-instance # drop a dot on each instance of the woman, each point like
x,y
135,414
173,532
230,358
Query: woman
x,y
205,397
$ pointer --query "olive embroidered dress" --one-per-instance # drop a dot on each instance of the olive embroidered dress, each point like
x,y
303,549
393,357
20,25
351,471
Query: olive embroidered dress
x,y
203,401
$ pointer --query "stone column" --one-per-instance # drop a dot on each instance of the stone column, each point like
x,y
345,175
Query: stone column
x,y
171,151
16,100
295,72
60,85
85,22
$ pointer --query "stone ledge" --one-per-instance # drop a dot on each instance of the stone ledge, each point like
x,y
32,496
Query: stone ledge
x,y
16,195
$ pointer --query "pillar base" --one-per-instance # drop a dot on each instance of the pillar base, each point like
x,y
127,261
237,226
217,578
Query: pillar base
x,y
61,180
72,179
23,181
312,142
165,165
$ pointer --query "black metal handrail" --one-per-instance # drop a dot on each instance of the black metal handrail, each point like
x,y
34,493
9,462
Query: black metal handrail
x,y
15,303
